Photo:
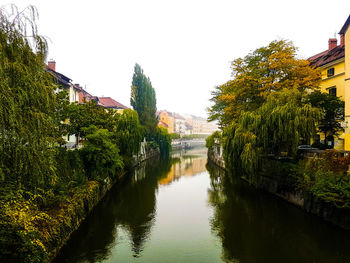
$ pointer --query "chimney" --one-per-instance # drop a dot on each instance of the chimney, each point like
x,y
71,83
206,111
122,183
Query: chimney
x,y
332,43
342,39
52,65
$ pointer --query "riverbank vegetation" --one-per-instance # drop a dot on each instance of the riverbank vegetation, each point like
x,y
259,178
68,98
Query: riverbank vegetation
x,y
326,177
272,105
45,188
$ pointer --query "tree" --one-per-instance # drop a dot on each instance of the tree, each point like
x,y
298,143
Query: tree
x,y
263,109
333,109
143,99
129,133
100,154
80,116
27,102
265,70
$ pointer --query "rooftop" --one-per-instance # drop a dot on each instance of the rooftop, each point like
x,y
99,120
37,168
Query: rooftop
x,y
61,79
327,56
108,102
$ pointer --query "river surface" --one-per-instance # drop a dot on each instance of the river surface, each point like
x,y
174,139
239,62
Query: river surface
x,y
184,210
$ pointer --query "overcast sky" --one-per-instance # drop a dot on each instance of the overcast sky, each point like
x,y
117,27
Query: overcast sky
x,y
184,46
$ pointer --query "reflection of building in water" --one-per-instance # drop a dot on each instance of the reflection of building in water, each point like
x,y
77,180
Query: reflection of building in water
x,y
187,167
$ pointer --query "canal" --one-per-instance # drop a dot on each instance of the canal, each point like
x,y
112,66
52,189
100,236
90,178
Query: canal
x,y
184,210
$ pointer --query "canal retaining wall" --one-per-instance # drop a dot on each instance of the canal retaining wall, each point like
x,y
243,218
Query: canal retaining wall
x,y
278,186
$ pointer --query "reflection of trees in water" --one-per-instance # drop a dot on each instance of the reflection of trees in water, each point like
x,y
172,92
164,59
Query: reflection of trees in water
x,y
256,227
130,205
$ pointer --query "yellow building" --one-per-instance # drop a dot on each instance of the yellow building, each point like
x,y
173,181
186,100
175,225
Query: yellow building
x,y
345,36
335,67
166,120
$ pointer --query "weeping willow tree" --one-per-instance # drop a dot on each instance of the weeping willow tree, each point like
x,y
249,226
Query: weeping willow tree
x,y
263,110
27,102
129,133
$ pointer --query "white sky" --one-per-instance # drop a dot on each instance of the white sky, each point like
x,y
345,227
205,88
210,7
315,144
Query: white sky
x,y
184,46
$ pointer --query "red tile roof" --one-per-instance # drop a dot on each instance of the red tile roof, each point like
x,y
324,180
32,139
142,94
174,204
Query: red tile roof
x,y
108,102
327,56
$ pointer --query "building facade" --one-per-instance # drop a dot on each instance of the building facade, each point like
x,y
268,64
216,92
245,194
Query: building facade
x,y
335,70
166,120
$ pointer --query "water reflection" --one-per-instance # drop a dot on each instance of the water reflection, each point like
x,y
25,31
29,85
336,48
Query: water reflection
x,y
129,208
185,164
256,227
173,211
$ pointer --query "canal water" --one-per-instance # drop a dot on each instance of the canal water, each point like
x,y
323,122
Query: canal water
x,y
183,210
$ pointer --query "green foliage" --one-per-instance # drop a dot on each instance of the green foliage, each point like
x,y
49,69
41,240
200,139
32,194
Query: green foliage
x,y
27,102
333,109
326,178
143,99
213,139
43,186
263,110
71,170
265,70
163,140
100,154
129,133
174,136
29,233
80,116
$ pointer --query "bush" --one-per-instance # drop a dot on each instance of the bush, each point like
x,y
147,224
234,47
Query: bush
x,y
210,141
100,154
326,178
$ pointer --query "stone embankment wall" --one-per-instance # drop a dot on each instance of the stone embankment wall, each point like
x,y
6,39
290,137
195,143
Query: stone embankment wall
x,y
215,155
306,201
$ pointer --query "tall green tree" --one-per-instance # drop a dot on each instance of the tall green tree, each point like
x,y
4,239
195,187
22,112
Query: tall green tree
x,y
129,133
27,102
265,70
263,109
143,99
333,109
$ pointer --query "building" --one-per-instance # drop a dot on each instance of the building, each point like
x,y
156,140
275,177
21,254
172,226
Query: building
x,y
166,120
200,125
109,103
180,124
64,82
77,94
84,96
335,69
345,36
73,94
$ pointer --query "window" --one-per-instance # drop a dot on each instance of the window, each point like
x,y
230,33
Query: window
x,y
330,72
333,91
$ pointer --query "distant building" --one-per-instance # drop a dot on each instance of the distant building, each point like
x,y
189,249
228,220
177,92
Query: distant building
x,y
180,124
200,125
166,120
185,125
